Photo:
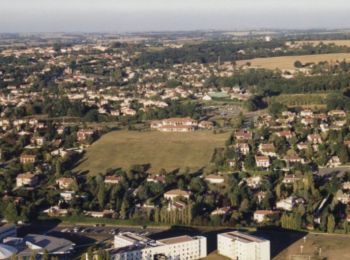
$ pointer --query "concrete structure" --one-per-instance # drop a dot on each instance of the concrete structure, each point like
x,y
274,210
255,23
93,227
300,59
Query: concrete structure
x,y
236,245
133,246
6,252
7,230
59,247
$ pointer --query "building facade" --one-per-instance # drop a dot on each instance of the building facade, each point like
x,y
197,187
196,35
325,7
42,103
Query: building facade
x,y
236,245
130,246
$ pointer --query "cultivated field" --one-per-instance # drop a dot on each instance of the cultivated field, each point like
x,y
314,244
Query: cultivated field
x,y
287,62
162,150
335,42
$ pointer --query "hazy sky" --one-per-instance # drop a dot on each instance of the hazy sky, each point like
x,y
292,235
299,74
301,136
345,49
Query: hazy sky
x,y
156,15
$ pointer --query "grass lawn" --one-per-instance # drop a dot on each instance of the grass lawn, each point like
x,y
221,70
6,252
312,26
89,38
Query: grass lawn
x,y
162,150
287,62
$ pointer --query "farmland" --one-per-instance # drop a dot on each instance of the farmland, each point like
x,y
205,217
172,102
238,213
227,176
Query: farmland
x,y
162,150
335,42
287,62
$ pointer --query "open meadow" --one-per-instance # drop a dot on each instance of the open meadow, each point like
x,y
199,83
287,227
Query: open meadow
x,y
161,150
287,62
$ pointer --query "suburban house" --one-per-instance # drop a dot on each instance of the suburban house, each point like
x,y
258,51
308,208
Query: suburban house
x,y
27,179
261,215
268,150
243,135
112,179
185,124
172,194
262,161
65,183
27,158
243,148
214,179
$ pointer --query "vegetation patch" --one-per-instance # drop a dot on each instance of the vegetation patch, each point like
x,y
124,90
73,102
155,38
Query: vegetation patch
x,y
167,151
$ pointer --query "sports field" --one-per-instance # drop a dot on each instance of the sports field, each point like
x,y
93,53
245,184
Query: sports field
x,y
162,150
287,62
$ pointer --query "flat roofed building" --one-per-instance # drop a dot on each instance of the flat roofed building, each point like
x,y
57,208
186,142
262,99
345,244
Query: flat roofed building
x,y
7,230
133,246
236,245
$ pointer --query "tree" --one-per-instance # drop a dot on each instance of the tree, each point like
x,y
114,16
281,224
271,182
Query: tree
x,y
58,168
343,154
11,213
45,255
330,223
101,195
276,108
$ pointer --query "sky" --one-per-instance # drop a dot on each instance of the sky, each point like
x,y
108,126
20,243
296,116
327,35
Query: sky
x,y
170,15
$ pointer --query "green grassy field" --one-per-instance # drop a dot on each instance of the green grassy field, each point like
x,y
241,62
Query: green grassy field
x,y
162,150
300,100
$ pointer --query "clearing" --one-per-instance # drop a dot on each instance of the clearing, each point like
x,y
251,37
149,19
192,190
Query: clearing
x,y
287,62
121,149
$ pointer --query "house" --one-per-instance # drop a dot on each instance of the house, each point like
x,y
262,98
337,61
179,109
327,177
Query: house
x,y
268,150
346,185
243,148
56,211
65,183
67,195
262,161
206,125
176,205
221,211
38,140
287,204
343,197
172,194
253,182
185,124
243,135
347,143
27,158
302,146
294,159
306,113
337,113
286,134
83,134
112,179
314,138
334,162
261,195
261,215
27,179
307,121
159,178
99,214
214,179
291,178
